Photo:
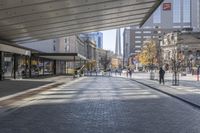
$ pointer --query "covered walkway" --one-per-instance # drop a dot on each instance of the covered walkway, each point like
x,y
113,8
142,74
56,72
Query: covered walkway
x,y
27,21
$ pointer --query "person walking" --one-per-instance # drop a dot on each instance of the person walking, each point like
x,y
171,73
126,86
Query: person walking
x,y
161,75
130,73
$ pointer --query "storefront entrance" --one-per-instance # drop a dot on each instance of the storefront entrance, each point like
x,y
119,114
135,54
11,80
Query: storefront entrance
x,y
8,67
15,66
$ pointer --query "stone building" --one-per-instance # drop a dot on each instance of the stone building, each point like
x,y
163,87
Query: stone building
x,y
183,47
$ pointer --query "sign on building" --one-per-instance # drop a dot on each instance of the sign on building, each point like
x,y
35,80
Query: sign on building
x,y
167,6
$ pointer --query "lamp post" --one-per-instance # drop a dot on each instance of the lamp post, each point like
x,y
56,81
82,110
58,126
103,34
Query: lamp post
x,y
159,51
175,77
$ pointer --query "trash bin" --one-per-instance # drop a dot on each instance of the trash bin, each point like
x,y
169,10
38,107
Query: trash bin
x,y
152,75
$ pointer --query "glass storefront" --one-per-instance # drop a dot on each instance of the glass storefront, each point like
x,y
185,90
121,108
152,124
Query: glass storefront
x,y
34,67
41,66
48,67
22,68
15,66
8,65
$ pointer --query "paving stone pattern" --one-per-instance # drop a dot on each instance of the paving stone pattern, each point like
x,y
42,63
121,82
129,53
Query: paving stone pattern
x,y
102,105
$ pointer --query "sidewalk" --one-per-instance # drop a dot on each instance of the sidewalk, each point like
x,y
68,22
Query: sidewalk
x,y
188,89
13,92
10,87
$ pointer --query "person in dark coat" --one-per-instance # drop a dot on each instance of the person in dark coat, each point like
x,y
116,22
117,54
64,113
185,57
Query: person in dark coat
x,y
161,75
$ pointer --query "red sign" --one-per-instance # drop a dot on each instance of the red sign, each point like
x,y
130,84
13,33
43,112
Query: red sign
x,y
167,6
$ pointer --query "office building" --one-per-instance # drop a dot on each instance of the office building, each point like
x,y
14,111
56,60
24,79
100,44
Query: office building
x,y
95,37
118,51
171,15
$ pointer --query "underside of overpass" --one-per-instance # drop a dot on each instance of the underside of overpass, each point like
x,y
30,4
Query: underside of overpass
x,y
34,20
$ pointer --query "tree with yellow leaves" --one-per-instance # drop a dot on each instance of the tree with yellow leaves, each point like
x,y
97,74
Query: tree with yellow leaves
x,y
148,53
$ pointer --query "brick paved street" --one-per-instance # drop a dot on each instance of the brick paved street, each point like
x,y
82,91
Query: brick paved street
x,y
102,105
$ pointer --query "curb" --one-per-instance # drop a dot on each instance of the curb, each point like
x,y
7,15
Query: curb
x,y
169,94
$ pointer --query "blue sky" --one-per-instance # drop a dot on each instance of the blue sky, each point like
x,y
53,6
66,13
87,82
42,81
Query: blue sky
x,y
109,39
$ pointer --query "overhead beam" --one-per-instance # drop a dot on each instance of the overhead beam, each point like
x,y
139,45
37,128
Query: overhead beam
x,y
25,21
68,26
47,7
14,24
75,27
10,4
60,5
64,34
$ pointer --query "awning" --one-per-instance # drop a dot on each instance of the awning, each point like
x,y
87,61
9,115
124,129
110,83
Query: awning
x,y
14,49
24,21
61,56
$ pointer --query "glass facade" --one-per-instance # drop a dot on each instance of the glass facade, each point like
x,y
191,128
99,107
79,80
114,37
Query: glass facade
x,y
157,16
41,66
22,67
20,64
186,11
8,69
177,11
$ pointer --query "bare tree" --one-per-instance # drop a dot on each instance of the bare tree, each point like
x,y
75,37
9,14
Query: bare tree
x,y
105,61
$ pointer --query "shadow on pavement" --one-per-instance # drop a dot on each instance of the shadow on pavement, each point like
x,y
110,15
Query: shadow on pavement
x,y
115,106
142,115
9,87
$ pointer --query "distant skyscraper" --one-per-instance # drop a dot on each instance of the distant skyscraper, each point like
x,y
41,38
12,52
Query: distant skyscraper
x,y
118,43
96,37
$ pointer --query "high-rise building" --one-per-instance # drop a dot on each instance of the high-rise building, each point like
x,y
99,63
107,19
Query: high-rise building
x,y
118,51
171,15
96,37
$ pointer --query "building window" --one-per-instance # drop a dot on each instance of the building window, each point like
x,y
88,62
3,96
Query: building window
x,y
137,41
138,46
147,32
147,37
138,32
176,26
186,11
177,11
155,37
138,51
157,16
137,36
147,27
186,26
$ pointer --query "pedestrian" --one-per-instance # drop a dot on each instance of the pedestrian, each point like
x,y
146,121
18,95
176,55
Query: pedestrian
x,y
127,73
161,75
130,72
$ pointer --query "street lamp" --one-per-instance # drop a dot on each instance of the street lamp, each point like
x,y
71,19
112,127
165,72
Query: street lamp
x,y
175,76
159,51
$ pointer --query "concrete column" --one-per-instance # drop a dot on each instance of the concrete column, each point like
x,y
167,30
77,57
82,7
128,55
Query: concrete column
x,y
15,65
43,66
54,67
30,66
26,67
1,65
74,65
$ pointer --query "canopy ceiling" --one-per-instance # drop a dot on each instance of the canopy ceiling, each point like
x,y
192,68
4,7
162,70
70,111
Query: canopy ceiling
x,y
61,56
24,21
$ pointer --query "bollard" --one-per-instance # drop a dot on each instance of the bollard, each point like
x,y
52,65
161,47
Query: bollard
x,y
198,74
